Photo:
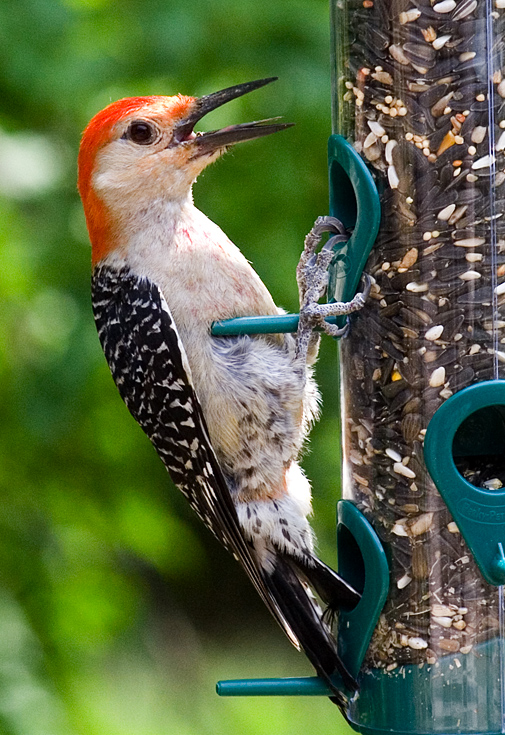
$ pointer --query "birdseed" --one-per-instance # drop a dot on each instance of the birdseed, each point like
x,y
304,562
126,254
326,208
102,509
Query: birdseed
x,y
436,322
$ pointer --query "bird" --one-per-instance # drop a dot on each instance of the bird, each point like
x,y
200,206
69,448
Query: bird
x,y
228,416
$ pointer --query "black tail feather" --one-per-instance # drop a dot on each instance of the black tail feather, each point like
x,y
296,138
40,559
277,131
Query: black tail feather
x,y
304,617
334,591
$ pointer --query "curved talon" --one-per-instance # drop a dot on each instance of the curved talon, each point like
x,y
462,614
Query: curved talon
x,y
328,224
335,240
367,286
335,331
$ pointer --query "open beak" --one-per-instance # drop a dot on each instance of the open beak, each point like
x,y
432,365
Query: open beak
x,y
211,141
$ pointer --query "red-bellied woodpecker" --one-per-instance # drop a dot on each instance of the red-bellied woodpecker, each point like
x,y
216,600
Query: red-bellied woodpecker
x,y
227,415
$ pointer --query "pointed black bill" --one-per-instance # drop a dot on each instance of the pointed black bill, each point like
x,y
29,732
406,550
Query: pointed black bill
x,y
237,133
207,142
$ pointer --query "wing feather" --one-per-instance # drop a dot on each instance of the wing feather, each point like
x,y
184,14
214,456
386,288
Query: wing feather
x,y
149,365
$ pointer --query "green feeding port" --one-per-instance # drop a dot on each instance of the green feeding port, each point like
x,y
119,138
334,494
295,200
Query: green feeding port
x,y
362,562
464,450
355,201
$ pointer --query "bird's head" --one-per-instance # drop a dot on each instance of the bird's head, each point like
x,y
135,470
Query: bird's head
x,y
142,150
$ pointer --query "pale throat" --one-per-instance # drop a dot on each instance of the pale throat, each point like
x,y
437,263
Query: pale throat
x,y
161,240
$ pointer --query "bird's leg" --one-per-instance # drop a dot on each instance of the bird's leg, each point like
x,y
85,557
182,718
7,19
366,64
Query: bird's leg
x,y
312,278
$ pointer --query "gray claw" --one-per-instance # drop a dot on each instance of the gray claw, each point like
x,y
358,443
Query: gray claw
x,y
368,285
328,224
334,331
335,240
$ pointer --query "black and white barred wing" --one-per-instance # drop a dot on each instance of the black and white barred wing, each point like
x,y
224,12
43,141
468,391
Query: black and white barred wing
x,y
149,366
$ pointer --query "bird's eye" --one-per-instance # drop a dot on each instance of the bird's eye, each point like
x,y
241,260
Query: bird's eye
x,y
142,132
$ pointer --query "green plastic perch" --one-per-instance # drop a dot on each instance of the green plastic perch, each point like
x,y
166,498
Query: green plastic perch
x,y
309,686
260,325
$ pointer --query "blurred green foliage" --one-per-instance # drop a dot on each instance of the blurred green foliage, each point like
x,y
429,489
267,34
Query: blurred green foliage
x,y
118,611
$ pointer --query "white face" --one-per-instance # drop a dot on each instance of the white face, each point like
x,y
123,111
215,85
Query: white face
x,y
145,161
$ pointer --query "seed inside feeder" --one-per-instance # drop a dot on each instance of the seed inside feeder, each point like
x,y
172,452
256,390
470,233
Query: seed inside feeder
x,y
436,306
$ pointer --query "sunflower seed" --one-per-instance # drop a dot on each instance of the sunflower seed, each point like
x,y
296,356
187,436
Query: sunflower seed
x,y
446,6
434,332
464,8
437,377
483,162
446,212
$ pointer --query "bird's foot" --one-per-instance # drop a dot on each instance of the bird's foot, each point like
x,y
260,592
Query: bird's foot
x,y
311,273
312,278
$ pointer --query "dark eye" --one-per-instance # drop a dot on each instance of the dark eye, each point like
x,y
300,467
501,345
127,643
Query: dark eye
x,y
141,132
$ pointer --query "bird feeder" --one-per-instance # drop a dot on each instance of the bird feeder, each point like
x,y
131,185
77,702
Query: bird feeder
x,y
417,172
418,93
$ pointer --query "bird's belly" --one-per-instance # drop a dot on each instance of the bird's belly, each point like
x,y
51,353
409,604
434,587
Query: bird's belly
x,y
252,398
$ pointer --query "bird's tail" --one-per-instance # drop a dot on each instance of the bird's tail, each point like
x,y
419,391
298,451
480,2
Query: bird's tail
x,y
334,591
300,610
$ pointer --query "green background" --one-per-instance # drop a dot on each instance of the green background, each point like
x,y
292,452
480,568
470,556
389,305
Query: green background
x,y
118,611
